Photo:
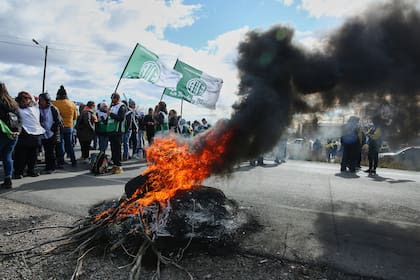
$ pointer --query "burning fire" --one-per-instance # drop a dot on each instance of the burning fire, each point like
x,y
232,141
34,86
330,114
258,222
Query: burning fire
x,y
173,166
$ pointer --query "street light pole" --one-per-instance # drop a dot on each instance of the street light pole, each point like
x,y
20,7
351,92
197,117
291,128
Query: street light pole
x,y
45,64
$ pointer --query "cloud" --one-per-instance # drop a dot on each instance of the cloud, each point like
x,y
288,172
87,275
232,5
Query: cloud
x,y
335,8
287,2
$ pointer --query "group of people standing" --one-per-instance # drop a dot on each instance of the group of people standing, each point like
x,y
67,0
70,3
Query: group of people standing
x,y
29,123
354,138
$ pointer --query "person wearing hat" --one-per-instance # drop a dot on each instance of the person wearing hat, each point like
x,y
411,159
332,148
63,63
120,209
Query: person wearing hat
x,y
68,112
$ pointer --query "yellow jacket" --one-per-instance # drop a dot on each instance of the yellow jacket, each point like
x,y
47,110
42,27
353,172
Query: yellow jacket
x,y
68,111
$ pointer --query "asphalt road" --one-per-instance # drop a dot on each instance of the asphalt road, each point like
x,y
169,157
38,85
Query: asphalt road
x,y
308,211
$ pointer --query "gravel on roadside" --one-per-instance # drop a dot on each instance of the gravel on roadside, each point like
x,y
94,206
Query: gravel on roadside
x,y
16,216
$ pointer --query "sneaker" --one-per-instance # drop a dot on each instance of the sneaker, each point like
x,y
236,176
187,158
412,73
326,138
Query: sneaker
x,y
60,166
33,174
367,170
117,170
17,176
86,161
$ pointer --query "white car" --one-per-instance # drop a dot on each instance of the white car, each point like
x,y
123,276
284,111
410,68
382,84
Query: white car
x,y
408,157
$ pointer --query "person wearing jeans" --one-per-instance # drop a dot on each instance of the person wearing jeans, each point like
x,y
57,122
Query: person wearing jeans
x,y
9,133
68,112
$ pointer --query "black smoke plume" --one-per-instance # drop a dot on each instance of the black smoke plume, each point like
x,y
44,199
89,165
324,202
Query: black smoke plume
x,y
372,58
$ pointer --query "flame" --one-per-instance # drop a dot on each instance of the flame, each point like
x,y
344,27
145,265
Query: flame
x,y
174,164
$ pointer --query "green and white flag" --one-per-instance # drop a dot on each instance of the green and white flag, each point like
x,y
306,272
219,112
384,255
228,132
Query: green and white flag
x,y
144,64
195,86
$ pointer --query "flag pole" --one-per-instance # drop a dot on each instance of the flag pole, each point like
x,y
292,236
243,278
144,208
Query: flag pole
x,y
163,93
125,67
182,103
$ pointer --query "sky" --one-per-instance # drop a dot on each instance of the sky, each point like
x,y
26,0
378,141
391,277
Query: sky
x,y
89,42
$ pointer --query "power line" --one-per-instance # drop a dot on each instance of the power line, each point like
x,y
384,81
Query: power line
x,y
18,44
64,49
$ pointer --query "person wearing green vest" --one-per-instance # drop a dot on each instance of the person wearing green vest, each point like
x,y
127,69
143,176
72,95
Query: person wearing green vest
x,y
116,129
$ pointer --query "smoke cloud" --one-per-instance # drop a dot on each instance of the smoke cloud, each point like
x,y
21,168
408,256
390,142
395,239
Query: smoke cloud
x,y
373,58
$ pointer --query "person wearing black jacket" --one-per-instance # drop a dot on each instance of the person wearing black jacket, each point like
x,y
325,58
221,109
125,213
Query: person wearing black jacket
x,y
11,126
116,129
149,125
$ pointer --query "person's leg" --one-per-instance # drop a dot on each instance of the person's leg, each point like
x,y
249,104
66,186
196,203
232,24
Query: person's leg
x,y
370,159
95,141
134,141
260,160
59,151
353,157
84,146
6,150
68,143
375,160
345,157
49,146
103,143
140,140
118,144
31,154
126,137
19,161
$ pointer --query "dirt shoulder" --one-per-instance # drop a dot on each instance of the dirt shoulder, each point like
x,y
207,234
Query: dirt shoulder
x,y
17,217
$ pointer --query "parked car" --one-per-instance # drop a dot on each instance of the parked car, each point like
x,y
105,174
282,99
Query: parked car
x,y
298,149
408,158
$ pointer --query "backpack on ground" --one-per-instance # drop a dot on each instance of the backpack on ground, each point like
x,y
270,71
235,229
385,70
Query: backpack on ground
x,y
99,163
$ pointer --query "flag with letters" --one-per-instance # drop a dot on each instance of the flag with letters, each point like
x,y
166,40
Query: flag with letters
x,y
195,86
144,64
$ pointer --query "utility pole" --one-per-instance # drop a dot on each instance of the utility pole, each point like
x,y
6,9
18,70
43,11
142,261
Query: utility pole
x,y
45,64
